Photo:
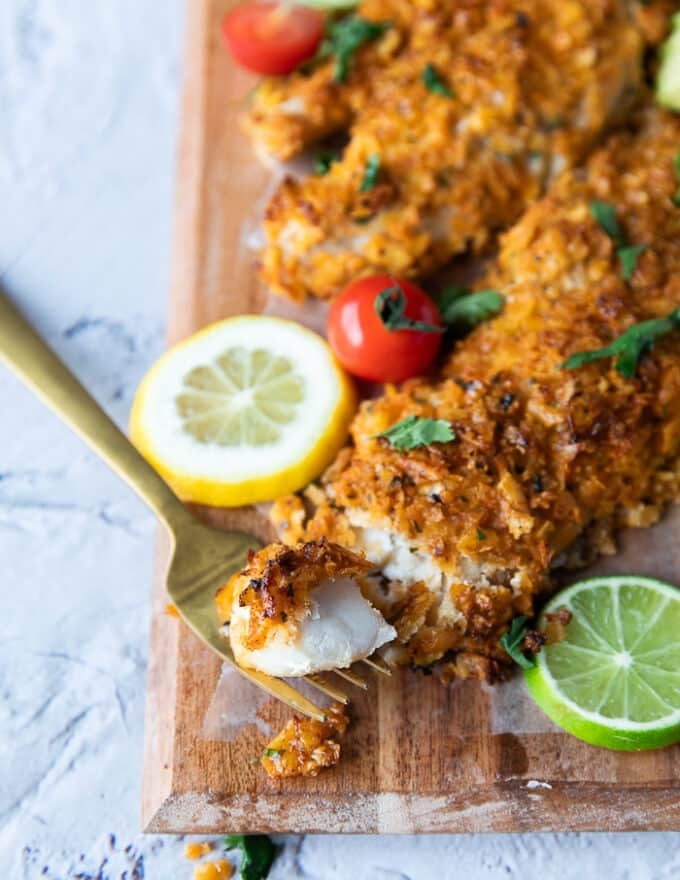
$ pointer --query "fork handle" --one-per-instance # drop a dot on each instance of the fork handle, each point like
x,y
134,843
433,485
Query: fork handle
x,y
22,349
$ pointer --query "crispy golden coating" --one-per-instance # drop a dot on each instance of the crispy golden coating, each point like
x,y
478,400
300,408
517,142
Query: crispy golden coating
x,y
305,747
546,462
289,113
533,84
653,19
288,517
277,582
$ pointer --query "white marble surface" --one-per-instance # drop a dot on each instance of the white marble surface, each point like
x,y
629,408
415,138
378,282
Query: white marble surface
x,y
88,121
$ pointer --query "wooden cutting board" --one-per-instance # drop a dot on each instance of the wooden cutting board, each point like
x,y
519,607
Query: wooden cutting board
x,y
419,756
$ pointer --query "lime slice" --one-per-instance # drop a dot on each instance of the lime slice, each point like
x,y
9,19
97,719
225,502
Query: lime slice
x,y
248,409
331,5
668,77
615,680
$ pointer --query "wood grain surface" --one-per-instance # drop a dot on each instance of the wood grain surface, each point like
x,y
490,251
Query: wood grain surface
x,y
419,756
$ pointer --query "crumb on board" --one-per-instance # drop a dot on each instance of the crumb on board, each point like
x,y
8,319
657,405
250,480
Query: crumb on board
x,y
305,747
194,851
220,870
171,611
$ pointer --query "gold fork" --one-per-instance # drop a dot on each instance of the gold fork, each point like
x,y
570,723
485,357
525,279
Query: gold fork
x,y
203,558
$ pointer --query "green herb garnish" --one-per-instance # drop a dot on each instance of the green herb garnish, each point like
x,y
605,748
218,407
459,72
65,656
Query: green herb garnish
x,y
390,305
258,853
272,753
344,37
604,215
463,309
371,173
481,536
434,83
512,642
629,256
413,431
323,162
676,166
629,347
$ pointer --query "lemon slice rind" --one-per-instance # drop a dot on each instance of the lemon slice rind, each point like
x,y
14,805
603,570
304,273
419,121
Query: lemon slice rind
x,y
307,427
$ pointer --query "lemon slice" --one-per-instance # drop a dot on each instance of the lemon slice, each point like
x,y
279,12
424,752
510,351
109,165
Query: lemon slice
x,y
247,410
615,679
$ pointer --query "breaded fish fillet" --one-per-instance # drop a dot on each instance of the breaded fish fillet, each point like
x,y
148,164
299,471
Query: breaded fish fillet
x,y
547,462
289,114
466,110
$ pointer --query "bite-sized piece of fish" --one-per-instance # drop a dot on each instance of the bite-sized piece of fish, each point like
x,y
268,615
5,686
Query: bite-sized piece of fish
x,y
481,105
298,610
547,462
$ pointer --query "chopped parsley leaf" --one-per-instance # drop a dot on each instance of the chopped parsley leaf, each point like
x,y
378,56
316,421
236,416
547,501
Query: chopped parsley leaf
x,y
323,162
258,854
434,83
371,173
464,310
413,432
629,347
390,305
512,642
604,215
272,753
344,37
628,256
481,536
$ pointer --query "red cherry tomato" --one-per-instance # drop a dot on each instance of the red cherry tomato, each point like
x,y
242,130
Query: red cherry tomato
x,y
272,38
366,347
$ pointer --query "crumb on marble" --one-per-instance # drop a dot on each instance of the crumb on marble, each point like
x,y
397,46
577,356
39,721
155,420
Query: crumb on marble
x,y
194,851
220,870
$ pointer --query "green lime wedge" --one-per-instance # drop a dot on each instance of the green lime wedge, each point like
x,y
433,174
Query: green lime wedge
x,y
668,77
615,680
331,5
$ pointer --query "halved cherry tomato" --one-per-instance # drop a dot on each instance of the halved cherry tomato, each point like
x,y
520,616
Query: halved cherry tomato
x,y
363,341
272,38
